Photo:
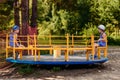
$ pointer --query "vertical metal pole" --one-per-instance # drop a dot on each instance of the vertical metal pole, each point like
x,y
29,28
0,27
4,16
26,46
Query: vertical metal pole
x,y
105,52
7,46
35,47
21,54
99,53
87,55
67,52
93,47
39,55
50,43
72,44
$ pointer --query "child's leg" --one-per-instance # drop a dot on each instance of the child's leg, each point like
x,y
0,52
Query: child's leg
x,y
17,54
21,46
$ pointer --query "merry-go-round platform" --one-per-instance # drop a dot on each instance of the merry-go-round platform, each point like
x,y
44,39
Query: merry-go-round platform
x,y
61,50
49,60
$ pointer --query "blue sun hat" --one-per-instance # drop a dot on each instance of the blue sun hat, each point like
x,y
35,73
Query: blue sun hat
x,y
15,27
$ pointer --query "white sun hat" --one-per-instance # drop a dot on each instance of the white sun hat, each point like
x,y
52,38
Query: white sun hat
x,y
102,27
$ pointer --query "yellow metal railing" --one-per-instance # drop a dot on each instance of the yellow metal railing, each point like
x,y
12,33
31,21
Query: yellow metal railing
x,y
66,43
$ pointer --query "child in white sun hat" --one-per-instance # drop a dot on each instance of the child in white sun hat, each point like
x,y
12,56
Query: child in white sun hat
x,y
101,41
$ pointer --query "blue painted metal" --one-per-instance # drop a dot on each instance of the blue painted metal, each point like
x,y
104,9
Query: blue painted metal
x,y
102,60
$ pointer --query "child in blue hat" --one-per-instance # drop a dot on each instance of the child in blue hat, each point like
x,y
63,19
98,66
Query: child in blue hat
x,y
14,35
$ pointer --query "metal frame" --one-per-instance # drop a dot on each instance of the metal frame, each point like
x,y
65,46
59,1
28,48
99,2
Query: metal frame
x,y
69,49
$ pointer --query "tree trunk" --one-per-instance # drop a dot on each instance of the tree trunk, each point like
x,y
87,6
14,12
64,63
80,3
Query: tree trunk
x,y
16,13
25,18
33,28
34,13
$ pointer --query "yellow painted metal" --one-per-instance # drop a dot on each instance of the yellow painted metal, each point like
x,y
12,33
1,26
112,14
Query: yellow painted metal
x,y
7,46
99,53
50,43
36,47
87,55
105,52
38,54
56,52
93,48
86,48
32,52
67,52
21,54
72,51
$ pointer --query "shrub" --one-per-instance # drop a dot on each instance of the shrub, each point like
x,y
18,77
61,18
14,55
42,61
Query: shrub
x,y
25,69
113,41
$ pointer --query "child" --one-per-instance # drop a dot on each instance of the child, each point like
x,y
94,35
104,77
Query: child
x,y
14,35
101,41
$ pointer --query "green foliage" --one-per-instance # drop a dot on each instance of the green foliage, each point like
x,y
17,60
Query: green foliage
x,y
78,17
6,15
103,12
56,69
113,41
25,69
90,30
43,52
61,19
72,16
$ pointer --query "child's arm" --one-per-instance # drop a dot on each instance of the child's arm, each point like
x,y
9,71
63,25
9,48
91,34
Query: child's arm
x,y
16,42
104,38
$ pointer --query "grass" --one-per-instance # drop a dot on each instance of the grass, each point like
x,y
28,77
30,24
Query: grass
x,y
56,69
24,69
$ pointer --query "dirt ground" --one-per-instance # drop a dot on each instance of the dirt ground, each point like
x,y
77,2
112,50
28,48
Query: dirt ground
x,y
107,71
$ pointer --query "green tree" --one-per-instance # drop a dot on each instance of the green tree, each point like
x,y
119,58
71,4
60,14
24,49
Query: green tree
x,y
63,16
6,14
105,12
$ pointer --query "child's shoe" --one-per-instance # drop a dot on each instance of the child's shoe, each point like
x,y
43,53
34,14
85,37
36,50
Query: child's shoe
x,y
95,56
